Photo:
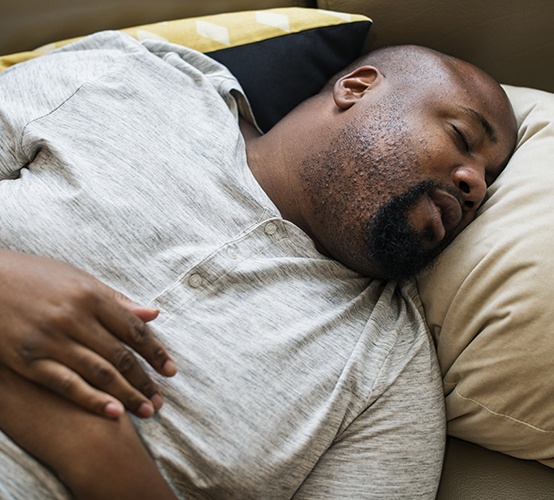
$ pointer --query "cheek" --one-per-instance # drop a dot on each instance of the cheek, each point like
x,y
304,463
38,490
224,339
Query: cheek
x,y
348,183
345,200
430,163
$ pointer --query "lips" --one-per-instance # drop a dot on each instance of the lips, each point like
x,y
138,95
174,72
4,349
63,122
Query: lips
x,y
448,212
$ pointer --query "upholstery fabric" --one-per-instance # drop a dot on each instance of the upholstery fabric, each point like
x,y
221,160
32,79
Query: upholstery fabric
x,y
510,39
30,24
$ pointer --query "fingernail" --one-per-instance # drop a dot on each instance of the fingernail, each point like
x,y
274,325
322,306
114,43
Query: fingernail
x,y
146,410
169,368
153,310
113,409
157,401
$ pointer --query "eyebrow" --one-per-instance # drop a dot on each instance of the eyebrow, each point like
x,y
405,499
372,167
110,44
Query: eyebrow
x,y
487,127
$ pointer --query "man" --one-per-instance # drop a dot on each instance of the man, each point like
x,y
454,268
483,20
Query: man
x,y
298,376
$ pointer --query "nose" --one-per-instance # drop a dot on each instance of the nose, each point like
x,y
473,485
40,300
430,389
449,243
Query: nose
x,y
470,180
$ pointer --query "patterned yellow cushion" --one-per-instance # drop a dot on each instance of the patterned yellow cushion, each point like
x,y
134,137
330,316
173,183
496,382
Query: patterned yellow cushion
x,y
220,31
280,56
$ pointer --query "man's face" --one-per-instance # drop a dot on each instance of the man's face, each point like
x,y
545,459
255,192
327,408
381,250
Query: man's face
x,y
405,176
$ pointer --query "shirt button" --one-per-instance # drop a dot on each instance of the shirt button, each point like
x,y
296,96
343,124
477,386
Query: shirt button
x,y
195,280
232,252
270,228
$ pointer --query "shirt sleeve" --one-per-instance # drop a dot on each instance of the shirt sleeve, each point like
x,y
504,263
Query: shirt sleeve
x,y
394,449
36,88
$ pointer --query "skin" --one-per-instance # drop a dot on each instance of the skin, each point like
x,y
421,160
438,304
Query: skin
x,y
331,166
68,332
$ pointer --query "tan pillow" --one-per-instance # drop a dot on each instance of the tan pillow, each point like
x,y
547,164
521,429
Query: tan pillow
x,y
490,301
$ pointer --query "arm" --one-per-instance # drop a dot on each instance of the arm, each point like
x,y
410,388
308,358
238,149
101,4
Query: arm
x,y
94,457
59,326
67,331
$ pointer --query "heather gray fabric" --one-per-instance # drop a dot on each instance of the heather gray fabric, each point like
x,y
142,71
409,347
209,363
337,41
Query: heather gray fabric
x,y
297,376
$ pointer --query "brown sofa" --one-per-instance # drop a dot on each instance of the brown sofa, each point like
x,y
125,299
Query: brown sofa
x,y
510,39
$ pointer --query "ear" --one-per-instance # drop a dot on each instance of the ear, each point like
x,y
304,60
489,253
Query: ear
x,y
353,86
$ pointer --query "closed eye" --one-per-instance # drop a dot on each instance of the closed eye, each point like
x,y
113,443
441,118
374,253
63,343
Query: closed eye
x,y
461,138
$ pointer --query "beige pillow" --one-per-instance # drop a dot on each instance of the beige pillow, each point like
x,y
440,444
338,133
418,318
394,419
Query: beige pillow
x,y
490,301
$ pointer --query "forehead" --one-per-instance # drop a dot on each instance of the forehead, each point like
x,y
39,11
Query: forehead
x,y
475,90
464,91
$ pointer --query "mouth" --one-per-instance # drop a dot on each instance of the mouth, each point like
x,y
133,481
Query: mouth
x,y
446,212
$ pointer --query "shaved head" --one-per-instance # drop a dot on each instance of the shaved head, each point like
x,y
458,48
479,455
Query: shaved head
x,y
404,64
392,159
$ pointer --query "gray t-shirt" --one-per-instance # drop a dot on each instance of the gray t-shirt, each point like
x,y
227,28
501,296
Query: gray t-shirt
x,y
298,377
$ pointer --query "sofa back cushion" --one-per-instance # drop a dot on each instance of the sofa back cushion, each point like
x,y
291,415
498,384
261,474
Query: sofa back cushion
x,y
512,40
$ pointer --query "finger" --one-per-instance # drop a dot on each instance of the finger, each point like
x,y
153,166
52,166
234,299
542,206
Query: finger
x,y
95,385
101,359
94,355
145,313
135,333
108,365
68,384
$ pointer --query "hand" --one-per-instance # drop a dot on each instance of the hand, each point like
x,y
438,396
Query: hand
x,y
67,331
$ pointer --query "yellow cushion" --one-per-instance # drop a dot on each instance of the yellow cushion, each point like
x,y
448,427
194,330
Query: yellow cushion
x,y
280,56
210,33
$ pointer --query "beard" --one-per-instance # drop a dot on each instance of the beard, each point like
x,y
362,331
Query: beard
x,y
362,189
396,247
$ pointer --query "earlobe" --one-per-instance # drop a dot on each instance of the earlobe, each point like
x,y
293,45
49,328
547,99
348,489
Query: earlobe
x,y
353,86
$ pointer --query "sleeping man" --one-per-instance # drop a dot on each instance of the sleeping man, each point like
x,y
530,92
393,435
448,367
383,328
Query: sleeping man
x,y
280,266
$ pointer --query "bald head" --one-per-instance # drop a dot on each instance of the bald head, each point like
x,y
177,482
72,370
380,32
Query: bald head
x,y
401,63
392,159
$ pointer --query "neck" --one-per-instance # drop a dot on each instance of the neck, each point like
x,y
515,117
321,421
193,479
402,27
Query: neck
x,y
270,160
277,158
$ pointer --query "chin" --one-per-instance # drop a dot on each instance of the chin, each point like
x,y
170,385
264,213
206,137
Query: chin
x,y
363,266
